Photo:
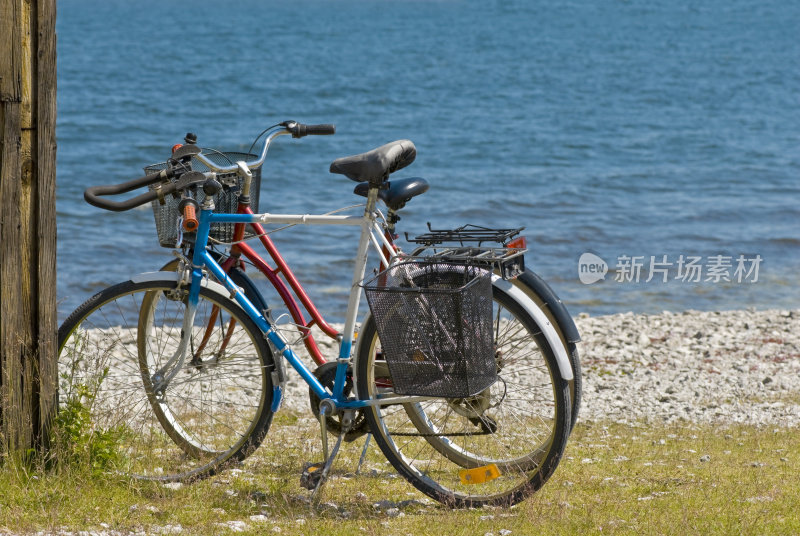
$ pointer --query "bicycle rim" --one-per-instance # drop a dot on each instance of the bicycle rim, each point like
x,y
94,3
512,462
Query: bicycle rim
x,y
216,408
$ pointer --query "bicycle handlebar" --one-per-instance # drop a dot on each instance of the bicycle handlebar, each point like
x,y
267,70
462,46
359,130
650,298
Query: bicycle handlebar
x,y
92,194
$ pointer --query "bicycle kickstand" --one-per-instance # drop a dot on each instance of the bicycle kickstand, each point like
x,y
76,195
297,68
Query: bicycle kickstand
x,y
315,475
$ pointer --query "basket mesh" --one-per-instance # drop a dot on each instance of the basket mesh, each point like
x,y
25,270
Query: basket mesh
x,y
434,321
226,200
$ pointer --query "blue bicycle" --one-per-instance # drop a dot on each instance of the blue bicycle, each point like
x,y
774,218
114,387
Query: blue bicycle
x,y
457,372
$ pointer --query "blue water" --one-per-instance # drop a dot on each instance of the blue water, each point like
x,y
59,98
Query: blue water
x,y
621,128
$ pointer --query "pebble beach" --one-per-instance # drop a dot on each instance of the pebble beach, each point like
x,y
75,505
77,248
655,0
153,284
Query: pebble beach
x,y
702,367
717,368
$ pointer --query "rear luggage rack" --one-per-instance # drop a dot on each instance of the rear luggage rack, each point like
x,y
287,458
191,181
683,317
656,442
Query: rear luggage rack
x,y
453,245
465,233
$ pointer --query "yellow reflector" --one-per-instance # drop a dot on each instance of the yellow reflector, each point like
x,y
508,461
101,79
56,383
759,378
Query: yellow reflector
x,y
479,475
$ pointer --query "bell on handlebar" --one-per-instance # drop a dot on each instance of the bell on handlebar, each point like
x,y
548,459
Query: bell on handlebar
x,y
211,187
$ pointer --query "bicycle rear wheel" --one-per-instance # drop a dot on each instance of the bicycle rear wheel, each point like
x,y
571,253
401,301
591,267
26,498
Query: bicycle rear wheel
x,y
495,448
215,410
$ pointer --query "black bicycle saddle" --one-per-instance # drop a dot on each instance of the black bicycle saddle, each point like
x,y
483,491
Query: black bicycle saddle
x,y
375,166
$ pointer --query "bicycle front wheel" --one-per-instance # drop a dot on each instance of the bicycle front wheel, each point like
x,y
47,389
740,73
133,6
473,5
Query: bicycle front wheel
x,y
494,448
115,352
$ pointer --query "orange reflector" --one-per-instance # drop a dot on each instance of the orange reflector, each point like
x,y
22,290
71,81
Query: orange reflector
x,y
176,147
519,242
479,475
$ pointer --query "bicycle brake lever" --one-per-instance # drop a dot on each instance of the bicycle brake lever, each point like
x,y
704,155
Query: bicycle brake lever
x,y
185,153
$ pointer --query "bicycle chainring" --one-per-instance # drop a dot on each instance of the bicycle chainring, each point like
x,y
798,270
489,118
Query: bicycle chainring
x,y
326,374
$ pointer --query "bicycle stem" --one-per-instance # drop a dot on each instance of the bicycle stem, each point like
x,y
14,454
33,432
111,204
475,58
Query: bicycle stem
x,y
247,177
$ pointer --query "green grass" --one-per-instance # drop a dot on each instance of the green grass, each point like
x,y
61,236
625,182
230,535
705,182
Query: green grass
x,y
618,479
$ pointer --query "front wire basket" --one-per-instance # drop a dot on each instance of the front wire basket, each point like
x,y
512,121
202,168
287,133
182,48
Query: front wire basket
x,y
226,201
434,320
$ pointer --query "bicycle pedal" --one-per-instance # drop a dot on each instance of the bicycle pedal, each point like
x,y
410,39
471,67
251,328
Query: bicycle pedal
x,y
311,475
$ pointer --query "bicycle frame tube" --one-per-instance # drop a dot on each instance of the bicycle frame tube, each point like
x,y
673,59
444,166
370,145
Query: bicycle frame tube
x,y
202,258
282,268
273,276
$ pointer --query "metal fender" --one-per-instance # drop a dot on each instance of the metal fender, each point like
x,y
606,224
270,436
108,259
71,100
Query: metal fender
x,y
173,276
556,307
541,319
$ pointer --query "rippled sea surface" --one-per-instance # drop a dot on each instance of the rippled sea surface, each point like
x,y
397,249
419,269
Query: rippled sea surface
x,y
625,129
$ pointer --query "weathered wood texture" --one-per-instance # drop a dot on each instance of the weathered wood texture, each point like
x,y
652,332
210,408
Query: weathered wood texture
x,y
28,360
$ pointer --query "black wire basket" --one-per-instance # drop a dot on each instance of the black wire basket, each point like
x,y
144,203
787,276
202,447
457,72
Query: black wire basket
x,y
434,321
227,200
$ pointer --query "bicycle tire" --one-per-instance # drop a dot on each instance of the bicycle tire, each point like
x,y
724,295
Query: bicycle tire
x,y
438,444
575,384
241,280
219,409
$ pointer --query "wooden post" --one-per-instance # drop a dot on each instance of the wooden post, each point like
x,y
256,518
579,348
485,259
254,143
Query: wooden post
x,y
28,353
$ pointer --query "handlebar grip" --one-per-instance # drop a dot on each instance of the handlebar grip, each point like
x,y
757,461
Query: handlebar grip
x,y
298,130
318,130
93,193
190,222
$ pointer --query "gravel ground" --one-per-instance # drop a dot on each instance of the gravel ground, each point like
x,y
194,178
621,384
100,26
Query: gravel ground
x,y
705,367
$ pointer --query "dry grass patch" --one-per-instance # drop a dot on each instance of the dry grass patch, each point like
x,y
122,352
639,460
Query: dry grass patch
x,y
619,479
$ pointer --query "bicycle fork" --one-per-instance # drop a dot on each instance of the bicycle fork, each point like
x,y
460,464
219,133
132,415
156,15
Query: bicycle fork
x,y
163,376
